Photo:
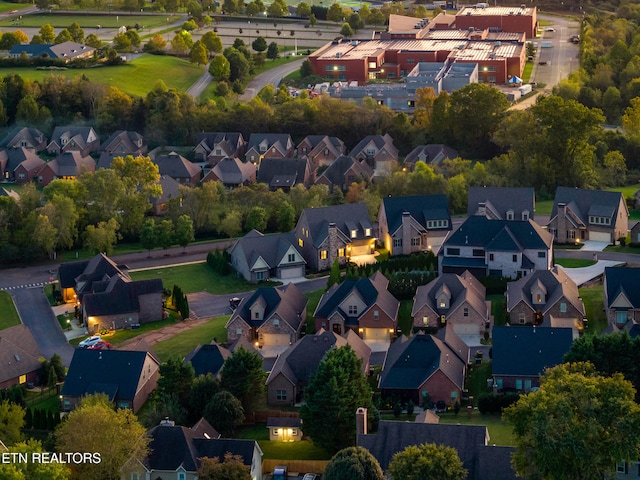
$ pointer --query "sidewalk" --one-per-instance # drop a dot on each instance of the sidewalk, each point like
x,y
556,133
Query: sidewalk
x,y
76,330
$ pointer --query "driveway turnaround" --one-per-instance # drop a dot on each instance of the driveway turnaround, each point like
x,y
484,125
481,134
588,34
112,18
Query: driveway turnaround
x,y
586,274
35,312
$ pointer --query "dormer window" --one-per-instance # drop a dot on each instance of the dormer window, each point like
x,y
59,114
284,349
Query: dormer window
x,y
525,215
353,233
263,148
367,232
510,215
443,303
538,298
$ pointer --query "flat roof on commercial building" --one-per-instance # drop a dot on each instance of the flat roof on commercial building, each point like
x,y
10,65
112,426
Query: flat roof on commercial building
x,y
496,11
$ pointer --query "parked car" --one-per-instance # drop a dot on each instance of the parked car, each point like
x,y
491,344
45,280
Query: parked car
x,y
234,302
310,476
549,29
101,345
87,342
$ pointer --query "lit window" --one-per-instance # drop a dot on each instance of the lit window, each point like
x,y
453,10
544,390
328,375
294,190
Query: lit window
x,y
443,303
372,65
323,254
425,320
300,242
353,233
367,232
538,298
341,252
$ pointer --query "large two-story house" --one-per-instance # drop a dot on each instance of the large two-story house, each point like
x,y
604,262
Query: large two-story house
x,y
504,248
339,232
579,214
214,146
502,203
320,150
622,297
414,224
378,151
363,305
73,139
274,145
454,300
547,298
259,257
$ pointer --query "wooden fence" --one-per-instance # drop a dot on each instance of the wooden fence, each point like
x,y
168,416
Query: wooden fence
x,y
295,466
263,415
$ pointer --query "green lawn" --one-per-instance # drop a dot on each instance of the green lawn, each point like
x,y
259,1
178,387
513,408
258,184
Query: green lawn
x,y
8,315
621,249
594,306
184,342
137,77
65,320
88,22
526,74
498,308
574,262
314,299
44,400
500,432
477,379
303,449
544,207
405,320
198,277
120,336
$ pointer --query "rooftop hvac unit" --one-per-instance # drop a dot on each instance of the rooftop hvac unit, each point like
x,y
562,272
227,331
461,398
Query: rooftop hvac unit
x,y
338,54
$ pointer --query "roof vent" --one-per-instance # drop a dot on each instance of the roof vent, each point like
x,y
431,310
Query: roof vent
x,y
17,357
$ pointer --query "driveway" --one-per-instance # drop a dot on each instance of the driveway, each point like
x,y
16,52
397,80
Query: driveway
x,y
586,274
591,246
35,312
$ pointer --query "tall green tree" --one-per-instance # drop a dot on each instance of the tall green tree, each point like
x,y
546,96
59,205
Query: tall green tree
x,y
256,219
176,379
339,386
335,13
32,470
354,463
224,412
273,51
148,235
76,32
578,425
116,435
11,422
199,54
259,44
212,41
231,468
243,376
101,237
428,460
219,68
47,34
202,390
303,9
334,275
184,231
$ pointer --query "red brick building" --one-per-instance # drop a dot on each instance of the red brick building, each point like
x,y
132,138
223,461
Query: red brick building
x,y
499,55
499,19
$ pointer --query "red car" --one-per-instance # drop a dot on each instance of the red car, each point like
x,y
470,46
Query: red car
x,y
101,345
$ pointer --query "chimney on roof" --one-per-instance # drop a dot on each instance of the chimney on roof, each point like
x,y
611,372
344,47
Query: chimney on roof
x,y
482,209
361,421
165,422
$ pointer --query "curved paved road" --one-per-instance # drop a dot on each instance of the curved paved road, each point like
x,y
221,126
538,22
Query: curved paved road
x,y
270,77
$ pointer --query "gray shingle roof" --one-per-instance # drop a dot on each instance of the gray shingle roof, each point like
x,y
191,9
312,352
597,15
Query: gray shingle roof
x,y
371,290
502,199
124,142
271,248
32,136
318,220
302,358
432,153
336,172
283,172
19,353
421,208
410,362
380,141
286,302
282,141
624,280
393,437
176,166
588,202
207,358
527,351
480,232
24,157
118,296
91,369
230,142
231,170
71,164
556,283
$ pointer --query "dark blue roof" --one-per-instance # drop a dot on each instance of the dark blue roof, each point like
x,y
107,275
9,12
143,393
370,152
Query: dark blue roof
x,y
421,208
622,280
418,360
527,351
364,286
478,231
595,202
207,359
114,372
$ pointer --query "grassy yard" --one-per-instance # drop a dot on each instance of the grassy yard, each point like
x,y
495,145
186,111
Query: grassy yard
x,y
477,378
314,299
501,433
9,6
405,320
498,308
120,336
88,22
593,304
65,320
621,249
544,207
137,77
198,277
574,262
184,342
45,400
8,315
526,74
303,449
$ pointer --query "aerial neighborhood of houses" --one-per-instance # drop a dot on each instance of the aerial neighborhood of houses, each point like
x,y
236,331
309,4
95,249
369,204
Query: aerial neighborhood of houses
x,y
434,309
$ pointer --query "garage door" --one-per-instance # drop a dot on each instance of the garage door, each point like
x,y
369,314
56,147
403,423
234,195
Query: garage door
x,y
600,236
362,250
293,272
467,329
275,339
375,334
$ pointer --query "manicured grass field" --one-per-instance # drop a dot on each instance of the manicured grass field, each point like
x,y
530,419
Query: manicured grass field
x,y
184,342
574,262
89,22
198,277
8,314
314,299
137,77
594,306
303,449
405,321
501,433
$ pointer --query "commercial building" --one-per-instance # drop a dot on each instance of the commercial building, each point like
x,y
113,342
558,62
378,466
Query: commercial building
x,y
499,19
409,41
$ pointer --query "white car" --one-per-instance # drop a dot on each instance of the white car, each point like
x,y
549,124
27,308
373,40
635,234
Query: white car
x,y
88,342
549,29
